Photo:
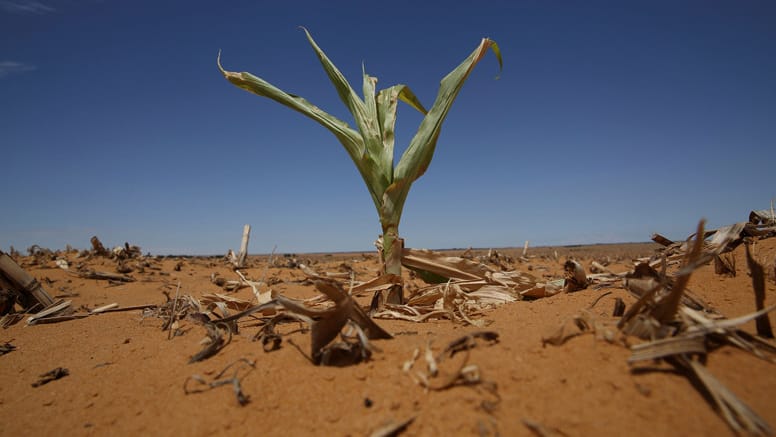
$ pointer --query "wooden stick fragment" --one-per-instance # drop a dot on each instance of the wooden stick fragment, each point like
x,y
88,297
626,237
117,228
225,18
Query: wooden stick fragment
x,y
104,308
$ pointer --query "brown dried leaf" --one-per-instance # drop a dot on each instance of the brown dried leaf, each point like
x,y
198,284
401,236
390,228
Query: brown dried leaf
x,y
449,267
668,347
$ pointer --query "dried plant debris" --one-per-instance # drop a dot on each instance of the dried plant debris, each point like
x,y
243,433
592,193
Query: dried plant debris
x,y
392,428
242,368
270,340
758,284
581,323
215,300
6,347
461,288
577,325
20,287
575,276
449,301
59,308
441,377
469,274
619,307
678,328
51,375
261,297
97,247
112,277
353,348
765,217
10,319
736,413
725,265
438,265
119,252
269,337
327,324
345,319
540,430
173,310
469,341
218,336
7,301
724,239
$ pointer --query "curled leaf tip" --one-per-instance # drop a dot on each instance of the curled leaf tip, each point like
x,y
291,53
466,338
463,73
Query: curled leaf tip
x,y
218,62
497,52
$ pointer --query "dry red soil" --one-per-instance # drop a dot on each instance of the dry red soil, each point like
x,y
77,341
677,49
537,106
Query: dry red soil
x,y
126,377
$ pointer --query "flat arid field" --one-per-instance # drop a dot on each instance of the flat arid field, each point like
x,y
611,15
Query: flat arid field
x,y
503,369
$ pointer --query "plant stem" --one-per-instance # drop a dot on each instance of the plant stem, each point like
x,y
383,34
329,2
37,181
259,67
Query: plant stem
x,y
392,252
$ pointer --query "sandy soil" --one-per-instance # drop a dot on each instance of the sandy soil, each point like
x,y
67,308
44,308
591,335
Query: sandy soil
x,y
126,377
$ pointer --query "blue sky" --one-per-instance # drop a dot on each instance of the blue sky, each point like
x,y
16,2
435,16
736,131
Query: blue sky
x,y
611,120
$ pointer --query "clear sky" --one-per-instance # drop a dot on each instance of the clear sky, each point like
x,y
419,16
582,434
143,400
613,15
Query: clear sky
x,y
611,120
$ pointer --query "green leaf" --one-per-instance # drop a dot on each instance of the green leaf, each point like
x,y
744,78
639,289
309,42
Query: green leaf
x,y
352,140
387,102
366,122
417,157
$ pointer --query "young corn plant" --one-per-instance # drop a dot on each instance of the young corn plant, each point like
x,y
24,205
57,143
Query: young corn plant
x,y
371,144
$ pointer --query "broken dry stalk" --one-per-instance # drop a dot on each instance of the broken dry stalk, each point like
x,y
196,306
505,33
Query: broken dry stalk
x,y
243,255
173,314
